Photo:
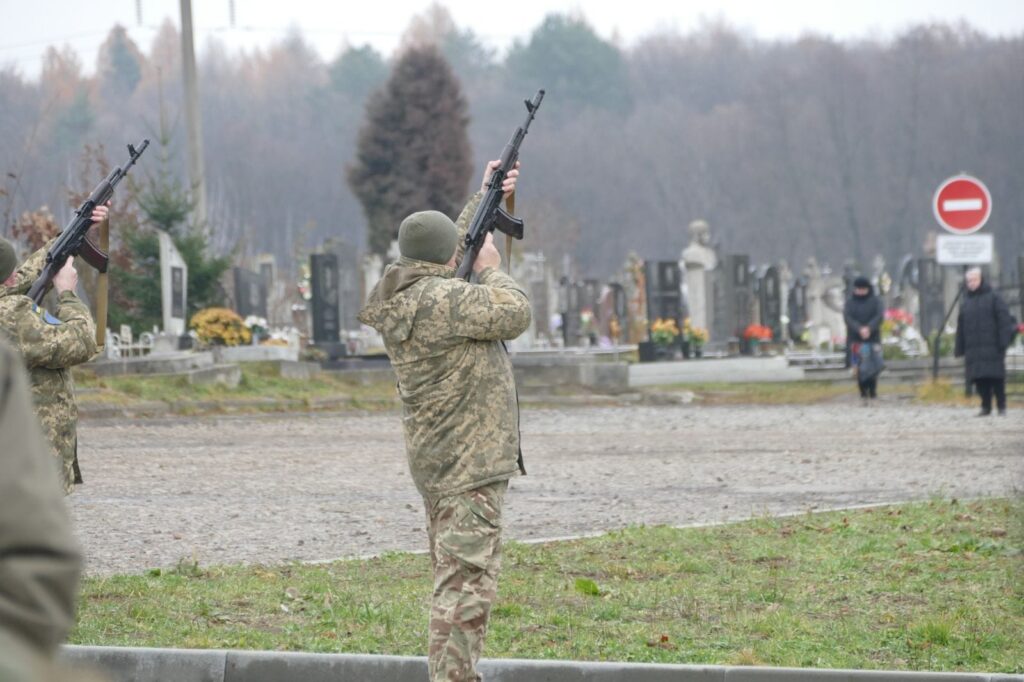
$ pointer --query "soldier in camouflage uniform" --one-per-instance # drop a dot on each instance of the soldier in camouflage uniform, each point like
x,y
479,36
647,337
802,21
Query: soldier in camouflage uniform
x,y
50,345
39,559
460,415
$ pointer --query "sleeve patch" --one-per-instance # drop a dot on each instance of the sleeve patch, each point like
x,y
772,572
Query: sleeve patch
x,y
45,315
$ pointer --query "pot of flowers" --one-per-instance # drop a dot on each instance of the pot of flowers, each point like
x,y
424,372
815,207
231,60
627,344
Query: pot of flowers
x,y
755,335
664,333
696,337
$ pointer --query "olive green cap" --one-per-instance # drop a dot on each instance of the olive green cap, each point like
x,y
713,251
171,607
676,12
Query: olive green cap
x,y
429,236
8,259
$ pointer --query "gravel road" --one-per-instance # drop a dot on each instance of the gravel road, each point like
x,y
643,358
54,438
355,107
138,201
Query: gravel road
x,y
268,489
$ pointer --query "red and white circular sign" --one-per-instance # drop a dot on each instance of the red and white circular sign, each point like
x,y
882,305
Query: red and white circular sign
x,y
962,204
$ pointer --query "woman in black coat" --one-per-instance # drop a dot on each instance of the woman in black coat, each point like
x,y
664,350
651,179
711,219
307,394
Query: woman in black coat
x,y
863,313
984,330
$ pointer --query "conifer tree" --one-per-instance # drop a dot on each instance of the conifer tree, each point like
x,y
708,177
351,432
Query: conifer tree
x,y
413,152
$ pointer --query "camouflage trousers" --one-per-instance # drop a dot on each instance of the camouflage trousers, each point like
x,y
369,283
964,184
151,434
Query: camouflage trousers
x,y
465,553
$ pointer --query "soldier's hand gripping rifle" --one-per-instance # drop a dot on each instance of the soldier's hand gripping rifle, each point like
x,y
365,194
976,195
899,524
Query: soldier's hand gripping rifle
x,y
73,240
490,216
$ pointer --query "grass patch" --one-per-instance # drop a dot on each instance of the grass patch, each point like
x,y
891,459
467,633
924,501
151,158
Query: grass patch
x,y
768,393
261,385
946,392
933,586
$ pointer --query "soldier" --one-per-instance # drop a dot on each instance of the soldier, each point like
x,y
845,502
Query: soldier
x,y
49,344
39,560
461,415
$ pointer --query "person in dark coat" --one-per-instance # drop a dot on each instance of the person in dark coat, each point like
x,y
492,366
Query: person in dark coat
x,y
863,313
984,330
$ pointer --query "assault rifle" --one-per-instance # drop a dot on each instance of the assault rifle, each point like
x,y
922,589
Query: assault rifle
x,y
73,240
490,216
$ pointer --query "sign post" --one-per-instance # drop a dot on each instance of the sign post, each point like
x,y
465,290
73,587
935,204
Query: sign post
x,y
962,205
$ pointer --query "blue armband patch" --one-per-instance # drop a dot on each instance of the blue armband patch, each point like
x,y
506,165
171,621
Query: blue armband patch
x,y
45,315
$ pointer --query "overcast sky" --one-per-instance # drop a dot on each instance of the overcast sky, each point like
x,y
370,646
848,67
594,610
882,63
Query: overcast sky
x,y
27,27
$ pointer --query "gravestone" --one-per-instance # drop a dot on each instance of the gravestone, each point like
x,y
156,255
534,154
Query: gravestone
x,y
664,295
699,262
531,272
785,287
325,297
796,308
250,293
590,298
818,327
541,310
350,299
733,297
770,301
570,309
173,286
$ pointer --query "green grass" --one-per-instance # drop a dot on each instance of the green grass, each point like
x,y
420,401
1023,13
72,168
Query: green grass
x,y
260,381
933,585
768,393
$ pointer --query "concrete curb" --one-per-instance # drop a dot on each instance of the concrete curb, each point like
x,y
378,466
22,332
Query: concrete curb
x,y
124,664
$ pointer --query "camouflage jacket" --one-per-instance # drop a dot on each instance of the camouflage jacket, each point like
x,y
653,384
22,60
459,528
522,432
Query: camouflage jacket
x,y
49,344
39,559
444,338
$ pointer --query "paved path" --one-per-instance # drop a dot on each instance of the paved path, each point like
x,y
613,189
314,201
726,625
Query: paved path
x,y
320,486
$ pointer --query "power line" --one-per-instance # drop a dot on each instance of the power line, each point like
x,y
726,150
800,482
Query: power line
x,y
48,42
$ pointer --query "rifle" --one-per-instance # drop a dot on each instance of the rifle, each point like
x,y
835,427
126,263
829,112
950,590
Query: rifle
x,y
490,216
73,240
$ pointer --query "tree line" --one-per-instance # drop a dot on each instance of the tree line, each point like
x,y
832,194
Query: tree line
x,y
787,148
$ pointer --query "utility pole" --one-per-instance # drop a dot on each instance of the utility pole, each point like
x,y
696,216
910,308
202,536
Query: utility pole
x,y
194,132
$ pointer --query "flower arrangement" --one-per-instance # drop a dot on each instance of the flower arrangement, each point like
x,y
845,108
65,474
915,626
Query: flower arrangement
x,y
257,326
220,327
695,336
896,323
664,332
757,332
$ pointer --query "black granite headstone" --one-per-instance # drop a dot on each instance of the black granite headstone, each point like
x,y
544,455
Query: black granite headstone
x,y
177,292
664,297
770,299
733,296
797,306
324,280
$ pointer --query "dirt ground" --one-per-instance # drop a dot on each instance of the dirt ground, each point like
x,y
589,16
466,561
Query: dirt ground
x,y
268,489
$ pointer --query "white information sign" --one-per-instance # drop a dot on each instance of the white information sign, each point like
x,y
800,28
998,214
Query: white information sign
x,y
971,249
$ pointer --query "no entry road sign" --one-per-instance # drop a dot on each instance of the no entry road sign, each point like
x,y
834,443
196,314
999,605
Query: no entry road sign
x,y
962,204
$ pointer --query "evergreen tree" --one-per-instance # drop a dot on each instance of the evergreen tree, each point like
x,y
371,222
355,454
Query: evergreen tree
x,y
357,72
413,152
119,64
566,57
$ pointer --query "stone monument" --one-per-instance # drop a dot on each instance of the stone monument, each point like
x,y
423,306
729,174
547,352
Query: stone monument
x,y
173,286
699,260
